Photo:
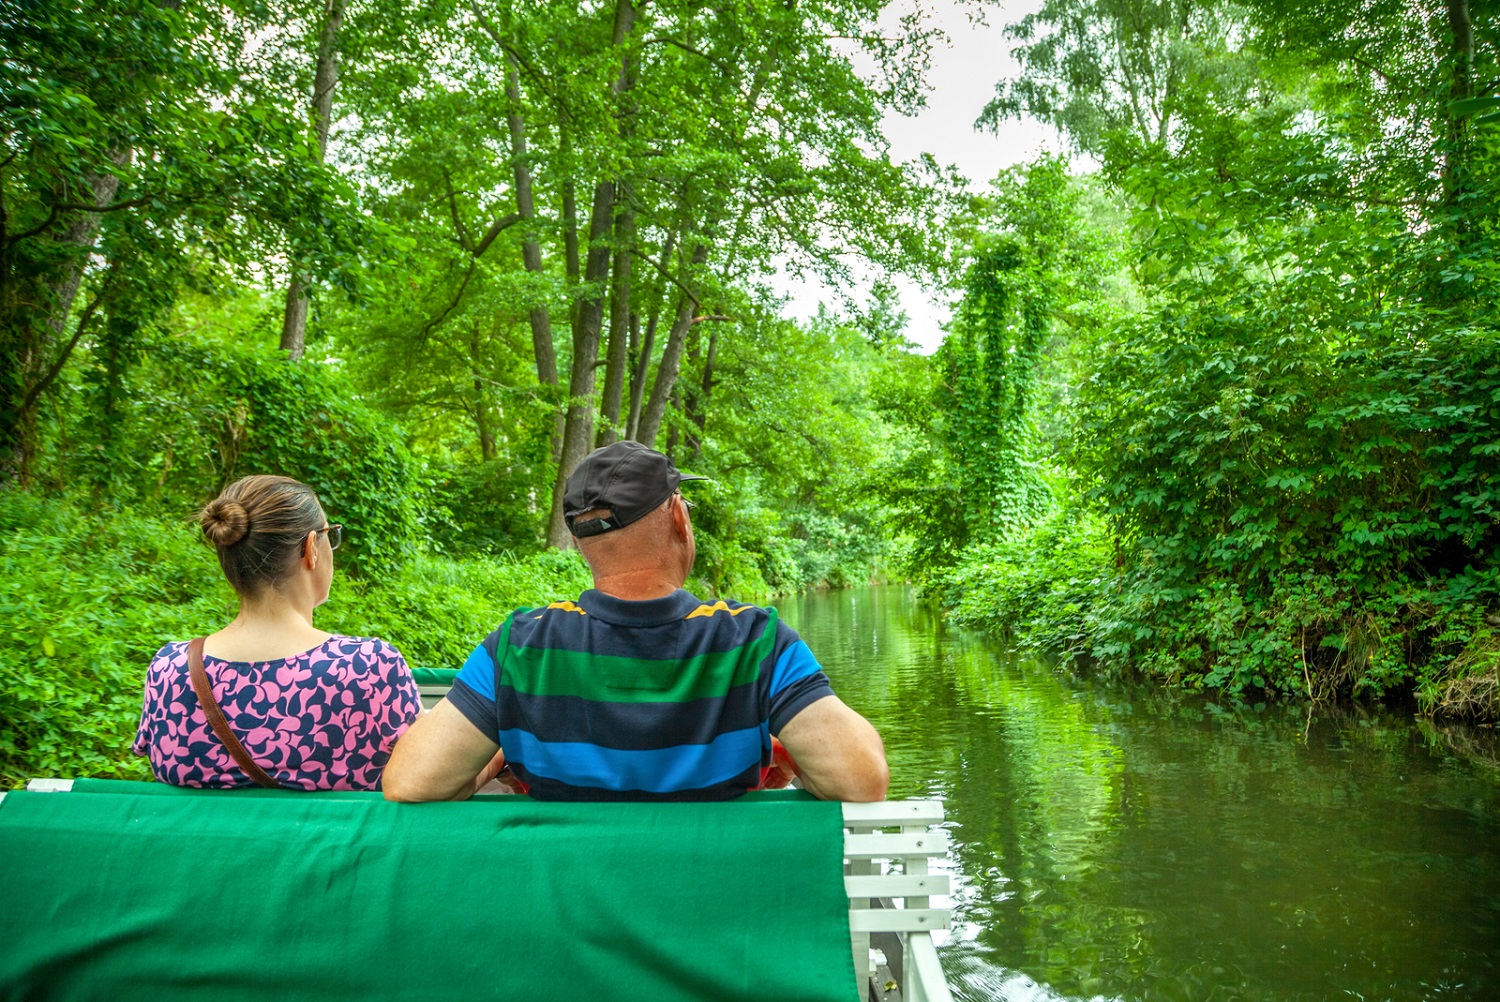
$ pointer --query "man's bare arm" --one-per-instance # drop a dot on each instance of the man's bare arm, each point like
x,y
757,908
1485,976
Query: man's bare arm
x,y
442,756
839,754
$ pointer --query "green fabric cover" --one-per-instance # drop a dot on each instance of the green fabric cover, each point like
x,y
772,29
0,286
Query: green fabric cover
x,y
164,894
434,676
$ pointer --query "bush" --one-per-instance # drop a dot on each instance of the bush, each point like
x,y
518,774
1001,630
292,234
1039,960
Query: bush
x,y
198,414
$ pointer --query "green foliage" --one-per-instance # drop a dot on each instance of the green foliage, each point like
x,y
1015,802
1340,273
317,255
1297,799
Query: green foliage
x,y
86,600
194,414
141,154
437,609
970,468
1289,439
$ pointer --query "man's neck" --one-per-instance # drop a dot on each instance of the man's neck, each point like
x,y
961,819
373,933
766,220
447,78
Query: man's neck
x,y
637,586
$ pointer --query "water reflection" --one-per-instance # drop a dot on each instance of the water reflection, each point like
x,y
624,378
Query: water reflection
x,y
1137,844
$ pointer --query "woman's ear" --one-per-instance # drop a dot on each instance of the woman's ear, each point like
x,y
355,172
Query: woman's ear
x,y
310,551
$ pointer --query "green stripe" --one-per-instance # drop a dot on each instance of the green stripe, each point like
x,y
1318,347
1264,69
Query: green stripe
x,y
539,671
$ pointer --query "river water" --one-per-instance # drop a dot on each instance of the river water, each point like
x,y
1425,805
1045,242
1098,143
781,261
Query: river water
x,y
1135,844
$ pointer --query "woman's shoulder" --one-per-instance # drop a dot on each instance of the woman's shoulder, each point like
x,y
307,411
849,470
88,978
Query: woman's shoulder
x,y
173,654
370,651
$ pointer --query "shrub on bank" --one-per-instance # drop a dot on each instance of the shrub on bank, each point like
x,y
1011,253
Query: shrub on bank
x,y
1057,589
87,597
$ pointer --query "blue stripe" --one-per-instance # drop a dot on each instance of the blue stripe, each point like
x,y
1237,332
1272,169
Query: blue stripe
x,y
794,664
478,673
663,770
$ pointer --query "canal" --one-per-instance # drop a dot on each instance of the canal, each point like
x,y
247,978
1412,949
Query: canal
x,y
1117,843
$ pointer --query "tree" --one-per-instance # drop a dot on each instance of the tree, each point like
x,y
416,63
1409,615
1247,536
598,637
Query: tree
x,y
134,155
708,144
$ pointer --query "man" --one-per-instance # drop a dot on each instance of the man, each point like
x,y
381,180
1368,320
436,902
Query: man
x,y
638,691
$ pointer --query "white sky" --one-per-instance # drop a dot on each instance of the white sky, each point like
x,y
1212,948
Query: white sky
x,y
961,81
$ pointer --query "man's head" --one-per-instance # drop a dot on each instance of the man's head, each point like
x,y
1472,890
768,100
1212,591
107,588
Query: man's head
x,y
626,515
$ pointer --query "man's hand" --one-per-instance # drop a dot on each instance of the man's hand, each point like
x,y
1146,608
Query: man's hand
x,y
838,754
782,770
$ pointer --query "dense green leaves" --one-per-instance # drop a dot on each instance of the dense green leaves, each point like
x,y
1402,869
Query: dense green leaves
x,y
1280,460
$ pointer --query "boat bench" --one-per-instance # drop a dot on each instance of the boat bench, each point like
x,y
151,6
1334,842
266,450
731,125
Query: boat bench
x,y
143,891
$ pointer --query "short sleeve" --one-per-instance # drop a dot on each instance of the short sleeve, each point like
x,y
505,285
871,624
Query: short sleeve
x,y
797,680
473,693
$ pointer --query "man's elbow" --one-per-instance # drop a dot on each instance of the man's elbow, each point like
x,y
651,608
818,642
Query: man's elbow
x,y
871,782
402,785
395,788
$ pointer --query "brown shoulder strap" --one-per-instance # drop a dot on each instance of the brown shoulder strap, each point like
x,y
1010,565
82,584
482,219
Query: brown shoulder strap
x,y
216,719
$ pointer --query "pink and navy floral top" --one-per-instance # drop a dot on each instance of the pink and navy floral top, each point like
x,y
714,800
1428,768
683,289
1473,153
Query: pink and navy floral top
x,y
322,720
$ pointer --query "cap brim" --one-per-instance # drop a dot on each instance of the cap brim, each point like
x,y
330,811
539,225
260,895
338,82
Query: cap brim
x,y
690,476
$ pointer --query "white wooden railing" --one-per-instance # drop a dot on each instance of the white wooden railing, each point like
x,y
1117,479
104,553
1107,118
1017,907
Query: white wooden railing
x,y
888,849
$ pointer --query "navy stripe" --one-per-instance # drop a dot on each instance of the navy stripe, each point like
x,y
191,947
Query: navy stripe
x,y
560,630
543,788
631,726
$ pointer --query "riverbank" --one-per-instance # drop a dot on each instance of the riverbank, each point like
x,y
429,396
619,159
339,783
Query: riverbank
x,y
1063,588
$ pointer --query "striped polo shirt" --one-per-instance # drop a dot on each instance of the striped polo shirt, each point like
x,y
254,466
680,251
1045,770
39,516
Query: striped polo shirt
x,y
667,699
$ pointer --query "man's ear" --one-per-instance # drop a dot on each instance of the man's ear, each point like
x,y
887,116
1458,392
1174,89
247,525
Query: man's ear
x,y
680,518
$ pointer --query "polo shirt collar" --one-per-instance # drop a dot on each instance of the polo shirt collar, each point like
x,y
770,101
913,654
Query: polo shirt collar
x,y
651,612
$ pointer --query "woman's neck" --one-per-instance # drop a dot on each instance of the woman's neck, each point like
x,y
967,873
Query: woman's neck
x,y
270,626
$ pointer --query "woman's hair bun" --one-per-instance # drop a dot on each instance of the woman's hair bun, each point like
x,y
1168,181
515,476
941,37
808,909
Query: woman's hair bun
x,y
225,522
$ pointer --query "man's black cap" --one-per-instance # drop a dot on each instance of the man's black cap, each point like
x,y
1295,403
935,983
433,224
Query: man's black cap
x,y
627,478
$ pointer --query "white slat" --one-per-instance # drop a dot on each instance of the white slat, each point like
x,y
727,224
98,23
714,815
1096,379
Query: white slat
x,y
2,796
879,845
898,919
924,974
895,885
894,812
50,786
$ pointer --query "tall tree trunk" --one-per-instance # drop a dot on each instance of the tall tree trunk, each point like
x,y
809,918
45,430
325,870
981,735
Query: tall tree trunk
x,y
578,434
671,357
699,402
643,356
294,317
32,351
531,248
79,234
619,320
1461,27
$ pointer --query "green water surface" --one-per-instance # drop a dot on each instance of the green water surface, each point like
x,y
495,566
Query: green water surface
x,y
1135,844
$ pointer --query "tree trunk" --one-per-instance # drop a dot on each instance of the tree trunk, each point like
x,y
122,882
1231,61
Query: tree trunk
x,y
578,434
1461,26
35,318
701,398
531,248
643,355
671,357
294,317
619,321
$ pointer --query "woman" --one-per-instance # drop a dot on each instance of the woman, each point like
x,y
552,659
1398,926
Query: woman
x,y
311,710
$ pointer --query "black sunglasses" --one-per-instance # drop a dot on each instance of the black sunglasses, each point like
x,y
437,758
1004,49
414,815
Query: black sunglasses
x,y
335,534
